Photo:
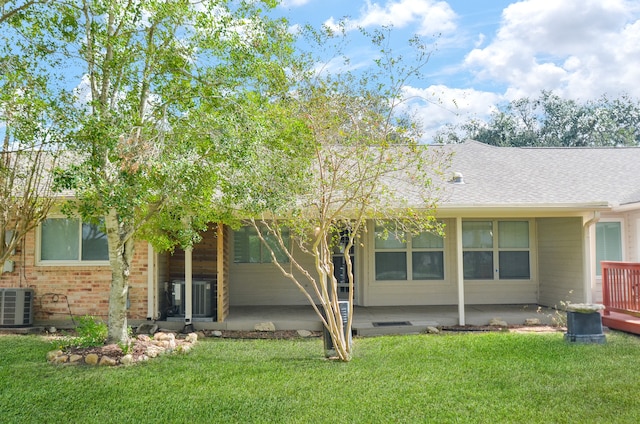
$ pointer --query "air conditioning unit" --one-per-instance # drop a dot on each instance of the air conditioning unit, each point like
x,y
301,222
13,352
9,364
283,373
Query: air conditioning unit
x,y
202,293
16,307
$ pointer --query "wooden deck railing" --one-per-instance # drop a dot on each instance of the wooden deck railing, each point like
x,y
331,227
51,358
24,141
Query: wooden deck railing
x,y
621,287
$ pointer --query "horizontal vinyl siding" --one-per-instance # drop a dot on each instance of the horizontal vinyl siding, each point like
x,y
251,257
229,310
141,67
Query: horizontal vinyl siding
x,y
560,260
632,239
500,292
264,284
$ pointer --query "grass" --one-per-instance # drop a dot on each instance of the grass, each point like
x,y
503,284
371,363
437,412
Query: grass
x,y
467,378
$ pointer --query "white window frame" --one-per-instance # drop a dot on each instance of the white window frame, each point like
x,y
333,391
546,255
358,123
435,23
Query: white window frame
x,y
496,249
64,262
408,250
623,246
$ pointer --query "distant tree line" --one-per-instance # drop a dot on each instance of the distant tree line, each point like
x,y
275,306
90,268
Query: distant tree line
x,y
554,122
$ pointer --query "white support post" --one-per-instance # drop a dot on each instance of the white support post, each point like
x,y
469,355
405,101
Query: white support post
x,y
151,279
589,257
460,271
188,283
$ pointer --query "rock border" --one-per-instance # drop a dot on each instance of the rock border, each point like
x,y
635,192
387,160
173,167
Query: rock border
x,y
142,348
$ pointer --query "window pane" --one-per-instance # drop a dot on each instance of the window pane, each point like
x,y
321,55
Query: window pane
x,y
514,265
391,266
272,241
427,241
59,239
389,239
478,265
478,235
513,234
94,243
608,243
248,248
428,266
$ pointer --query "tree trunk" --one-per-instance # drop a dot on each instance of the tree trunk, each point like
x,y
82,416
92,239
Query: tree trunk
x,y
120,255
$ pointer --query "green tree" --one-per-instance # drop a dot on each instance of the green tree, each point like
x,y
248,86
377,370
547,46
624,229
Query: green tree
x,y
174,104
33,125
550,120
365,146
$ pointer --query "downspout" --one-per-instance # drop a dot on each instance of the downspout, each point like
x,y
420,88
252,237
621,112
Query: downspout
x,y
586,257
460,272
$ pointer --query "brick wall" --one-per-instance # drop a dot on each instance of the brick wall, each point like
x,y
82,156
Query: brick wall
x,y
62,291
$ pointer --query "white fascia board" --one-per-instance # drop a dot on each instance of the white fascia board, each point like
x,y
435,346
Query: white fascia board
x,y
628,207
520,210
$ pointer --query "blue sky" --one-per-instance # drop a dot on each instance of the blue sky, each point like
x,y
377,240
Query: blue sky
x,y
493,51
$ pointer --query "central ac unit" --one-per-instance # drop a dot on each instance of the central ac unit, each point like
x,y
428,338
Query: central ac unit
x,y
16,307
201,298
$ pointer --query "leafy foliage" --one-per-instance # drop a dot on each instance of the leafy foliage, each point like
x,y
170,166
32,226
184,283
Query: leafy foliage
x,y
555,122
90,333
173,105
366,164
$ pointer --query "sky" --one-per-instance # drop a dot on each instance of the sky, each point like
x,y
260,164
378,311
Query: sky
x,y
489,52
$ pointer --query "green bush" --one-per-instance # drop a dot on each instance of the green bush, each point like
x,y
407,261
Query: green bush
x,y
90,333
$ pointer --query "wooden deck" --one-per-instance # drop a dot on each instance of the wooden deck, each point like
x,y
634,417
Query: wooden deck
x,y
622,322
621,296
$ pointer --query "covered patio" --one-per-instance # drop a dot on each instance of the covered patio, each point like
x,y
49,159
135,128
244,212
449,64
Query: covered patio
x,y
374,320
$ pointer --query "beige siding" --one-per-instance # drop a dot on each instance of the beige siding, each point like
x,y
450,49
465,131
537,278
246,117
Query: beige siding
x,y
560,260
632,229
397,293
264,284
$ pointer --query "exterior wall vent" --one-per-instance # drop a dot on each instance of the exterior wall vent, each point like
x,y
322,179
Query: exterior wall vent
x,y
457,178
16,307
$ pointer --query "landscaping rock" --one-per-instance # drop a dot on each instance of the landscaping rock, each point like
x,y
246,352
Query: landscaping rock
x,y
497,322
154,351
304,333
265,326
91,359
140,348
531,321
127,359
51,355
107,361
164,336
432,330
60,359
147,329
217,333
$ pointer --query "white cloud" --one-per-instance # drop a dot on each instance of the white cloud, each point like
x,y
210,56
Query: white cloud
x,y
431,17
293,3
439,105
578,48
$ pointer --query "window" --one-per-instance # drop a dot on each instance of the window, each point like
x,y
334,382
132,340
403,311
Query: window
x,y
248,248
505,250
608,243
408,257
71,240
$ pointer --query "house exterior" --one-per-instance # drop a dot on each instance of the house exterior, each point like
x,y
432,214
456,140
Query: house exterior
x,y
522,226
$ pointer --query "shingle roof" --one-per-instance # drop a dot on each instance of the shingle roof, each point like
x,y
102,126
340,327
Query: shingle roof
x,y
543,177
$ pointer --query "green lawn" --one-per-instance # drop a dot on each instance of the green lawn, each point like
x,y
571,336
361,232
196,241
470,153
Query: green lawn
x,y
466,378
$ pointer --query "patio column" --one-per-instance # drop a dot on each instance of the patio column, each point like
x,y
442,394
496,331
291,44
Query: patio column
x,y
151,274
589,257
460,271
188,285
